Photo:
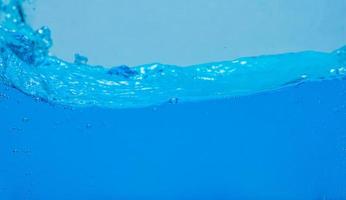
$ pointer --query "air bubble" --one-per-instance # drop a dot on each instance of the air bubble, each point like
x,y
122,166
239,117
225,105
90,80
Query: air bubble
x,y
3,96
45,35
173,100
25,119
88,126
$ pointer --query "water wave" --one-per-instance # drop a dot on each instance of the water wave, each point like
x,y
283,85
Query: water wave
x,y
26,64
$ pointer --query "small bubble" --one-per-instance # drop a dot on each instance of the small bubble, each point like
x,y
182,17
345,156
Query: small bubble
x,y
88,126
21,151
15,150
45,34
173,100
3,96
25,119
29,173
16,130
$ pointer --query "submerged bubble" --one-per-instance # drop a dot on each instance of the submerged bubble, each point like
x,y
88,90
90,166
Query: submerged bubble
x,y
173,100
25,119
88,126
16,130
3,96
15,150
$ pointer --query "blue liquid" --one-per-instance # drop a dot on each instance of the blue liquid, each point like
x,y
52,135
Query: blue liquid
x,y
27,66
252,136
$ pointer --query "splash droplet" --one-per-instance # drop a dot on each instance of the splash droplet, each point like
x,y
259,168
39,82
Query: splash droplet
x,y
80,60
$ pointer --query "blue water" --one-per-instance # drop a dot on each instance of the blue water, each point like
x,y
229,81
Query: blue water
x,y
267,127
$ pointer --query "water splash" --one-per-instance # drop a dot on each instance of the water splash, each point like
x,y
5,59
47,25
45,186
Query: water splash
x,y
25,64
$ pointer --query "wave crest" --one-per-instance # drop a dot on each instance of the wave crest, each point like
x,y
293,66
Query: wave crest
x,y
25,64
